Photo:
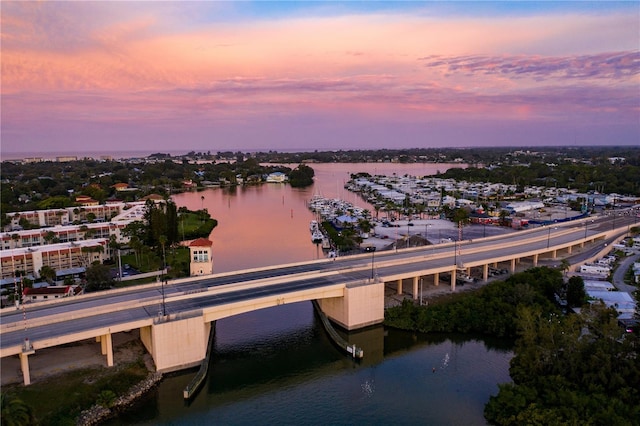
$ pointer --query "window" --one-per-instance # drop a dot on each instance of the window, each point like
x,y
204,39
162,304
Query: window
x,y
200,256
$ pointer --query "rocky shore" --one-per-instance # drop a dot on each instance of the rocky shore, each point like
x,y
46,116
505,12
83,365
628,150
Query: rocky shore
x,y
98,413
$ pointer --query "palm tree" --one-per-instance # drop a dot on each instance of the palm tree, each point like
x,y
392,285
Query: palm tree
x,y
365,226
162,239
136,245
14,411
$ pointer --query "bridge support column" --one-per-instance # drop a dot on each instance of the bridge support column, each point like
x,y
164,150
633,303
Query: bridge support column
x,y
176,344
554,254
24,364
513,266
106,347
453,280
415,288
485,272
400,286
436,279
362,305
535,260
569,249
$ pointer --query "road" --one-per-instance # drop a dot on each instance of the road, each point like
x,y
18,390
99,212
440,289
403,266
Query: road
x,y
143,303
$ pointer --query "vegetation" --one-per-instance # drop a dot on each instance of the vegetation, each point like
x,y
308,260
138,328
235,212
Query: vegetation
x,y
98,277
15,412
194,225
345,240
592,174
490,310
567,369
50,184
43,408
301,176
577,369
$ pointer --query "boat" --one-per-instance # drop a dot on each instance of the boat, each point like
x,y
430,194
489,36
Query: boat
x,y
317,236
326,244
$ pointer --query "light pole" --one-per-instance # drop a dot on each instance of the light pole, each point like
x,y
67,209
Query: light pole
x,y
164,278
455,253
586,226
373,254
426,232
549,237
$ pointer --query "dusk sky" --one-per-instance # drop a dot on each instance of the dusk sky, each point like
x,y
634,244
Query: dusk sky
x,y
216,76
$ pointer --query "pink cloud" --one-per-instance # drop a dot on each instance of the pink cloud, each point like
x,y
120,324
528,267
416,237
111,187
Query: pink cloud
x,y
140,66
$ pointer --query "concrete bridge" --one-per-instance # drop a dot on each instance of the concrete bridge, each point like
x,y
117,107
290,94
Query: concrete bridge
x,y
174,320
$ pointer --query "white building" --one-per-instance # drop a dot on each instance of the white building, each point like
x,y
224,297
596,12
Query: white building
x,y
201,257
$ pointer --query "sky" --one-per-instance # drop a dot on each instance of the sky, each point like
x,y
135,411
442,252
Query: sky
x,y
82,76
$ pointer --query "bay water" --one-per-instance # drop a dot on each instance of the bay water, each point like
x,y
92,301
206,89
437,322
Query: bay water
x,y
278,367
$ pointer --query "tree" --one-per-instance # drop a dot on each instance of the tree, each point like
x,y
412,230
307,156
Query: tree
x,y
98,277
48,273
163,241
365,226
49,237
576,295
301,176
87,252
135,229
136,245
14,411
564,266
504,214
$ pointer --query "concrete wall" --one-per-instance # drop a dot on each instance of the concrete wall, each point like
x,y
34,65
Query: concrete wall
x,y
362,305
177,344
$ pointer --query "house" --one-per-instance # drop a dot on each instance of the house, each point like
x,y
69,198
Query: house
x,y
120,186
47,293
86,201
344,221
201,258
277,177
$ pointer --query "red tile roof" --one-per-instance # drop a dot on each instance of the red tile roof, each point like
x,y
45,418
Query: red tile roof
x,y
46,290
201,242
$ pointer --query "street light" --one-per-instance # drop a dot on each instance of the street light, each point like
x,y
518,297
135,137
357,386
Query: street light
x,y
426,232
549,237
372,249
455,253
164,279
586,225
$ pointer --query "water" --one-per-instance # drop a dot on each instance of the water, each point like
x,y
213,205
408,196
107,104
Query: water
x,y
269,224
277,365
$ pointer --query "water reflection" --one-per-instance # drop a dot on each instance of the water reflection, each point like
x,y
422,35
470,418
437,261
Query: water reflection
x,y
277,366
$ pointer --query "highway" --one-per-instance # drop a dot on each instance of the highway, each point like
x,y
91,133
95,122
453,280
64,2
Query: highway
x,y
116,307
